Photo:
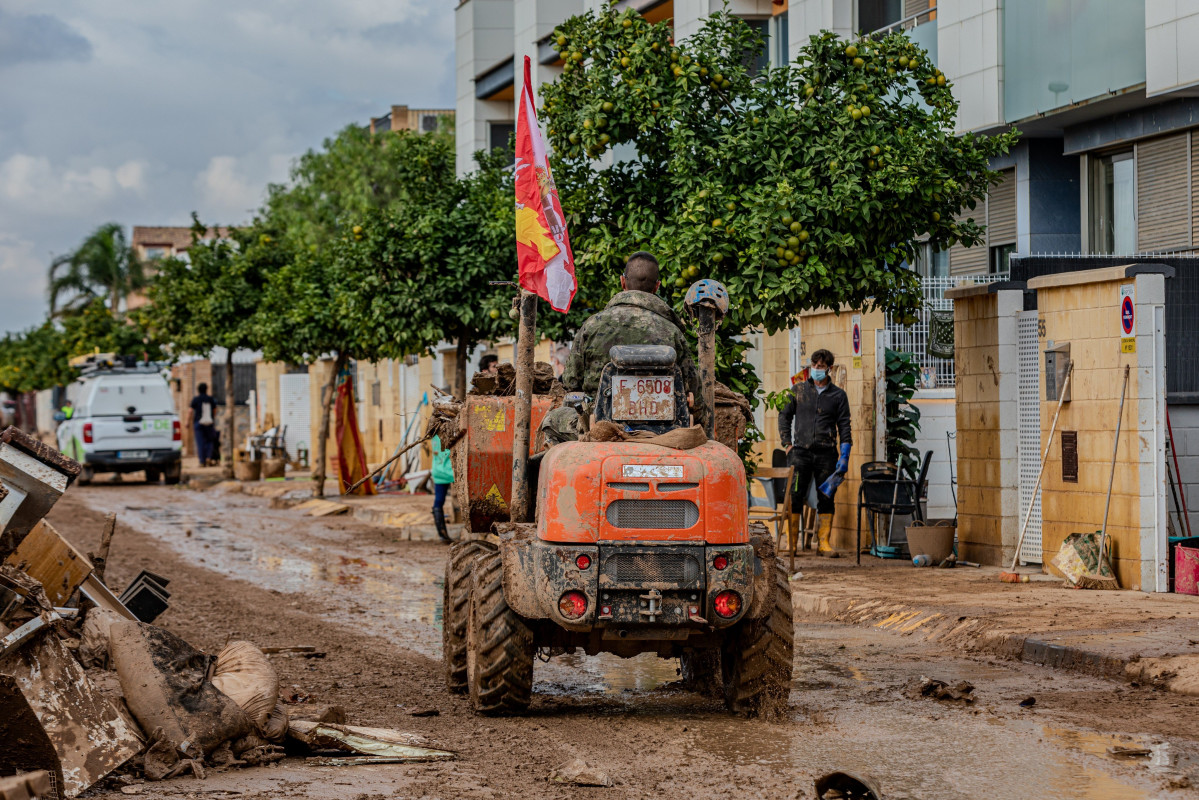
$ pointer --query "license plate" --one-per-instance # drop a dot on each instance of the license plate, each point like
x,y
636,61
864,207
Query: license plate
x,y
132,454
642,398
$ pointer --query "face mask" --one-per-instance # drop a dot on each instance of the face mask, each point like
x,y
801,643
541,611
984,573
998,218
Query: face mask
x,y
818,374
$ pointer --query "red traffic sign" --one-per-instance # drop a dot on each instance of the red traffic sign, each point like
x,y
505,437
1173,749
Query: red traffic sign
x,y
1127,315
857,339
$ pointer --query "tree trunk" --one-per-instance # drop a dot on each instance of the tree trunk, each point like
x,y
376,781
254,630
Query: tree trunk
x,y
322,436
460,370
230,420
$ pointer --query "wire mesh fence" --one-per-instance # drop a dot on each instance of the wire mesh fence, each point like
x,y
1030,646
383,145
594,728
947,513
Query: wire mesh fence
x,y
935,372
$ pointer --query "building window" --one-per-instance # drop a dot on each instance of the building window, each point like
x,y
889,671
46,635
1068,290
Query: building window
x,y
931,262
779,44
1113,204
154,253
1001,258
759,62
429,123
875,14
499,135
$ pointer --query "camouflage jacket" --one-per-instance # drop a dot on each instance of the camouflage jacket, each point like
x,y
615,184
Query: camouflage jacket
x,y
631,317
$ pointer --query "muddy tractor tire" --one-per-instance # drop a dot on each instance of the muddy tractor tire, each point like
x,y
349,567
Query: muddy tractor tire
x,y
455,599
701,671
499,644
759,656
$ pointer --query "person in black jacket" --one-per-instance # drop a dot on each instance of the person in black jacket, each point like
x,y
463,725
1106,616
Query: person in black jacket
x,y
814,428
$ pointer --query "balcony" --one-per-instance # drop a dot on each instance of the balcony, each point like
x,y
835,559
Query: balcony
x,y
1064,53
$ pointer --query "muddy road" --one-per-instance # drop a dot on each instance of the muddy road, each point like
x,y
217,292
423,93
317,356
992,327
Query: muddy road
x,y
240,569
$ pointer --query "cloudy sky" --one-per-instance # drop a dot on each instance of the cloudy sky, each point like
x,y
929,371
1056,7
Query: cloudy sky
x,y
140,112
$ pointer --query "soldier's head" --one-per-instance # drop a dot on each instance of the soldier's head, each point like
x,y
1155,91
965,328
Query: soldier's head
x,y
641,273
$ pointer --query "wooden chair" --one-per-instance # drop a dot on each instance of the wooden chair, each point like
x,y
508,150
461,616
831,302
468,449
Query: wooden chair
x,y
772,509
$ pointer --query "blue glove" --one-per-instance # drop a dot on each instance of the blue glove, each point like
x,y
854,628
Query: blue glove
x,y
829,487
843,461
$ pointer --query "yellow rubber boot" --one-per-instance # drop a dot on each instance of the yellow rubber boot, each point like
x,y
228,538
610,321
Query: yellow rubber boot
x,y
824,534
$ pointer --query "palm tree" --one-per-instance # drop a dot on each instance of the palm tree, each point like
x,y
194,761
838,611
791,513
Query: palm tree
x,y
103,266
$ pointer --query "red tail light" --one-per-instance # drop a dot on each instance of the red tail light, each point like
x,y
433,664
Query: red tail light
x,y
720,562
573,605
583,561
87,433
176,431
728,604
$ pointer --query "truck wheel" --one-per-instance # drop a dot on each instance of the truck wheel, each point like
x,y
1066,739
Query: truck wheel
x,y
153,475
454,604
759,656
173,474
86,475
499,644
701,671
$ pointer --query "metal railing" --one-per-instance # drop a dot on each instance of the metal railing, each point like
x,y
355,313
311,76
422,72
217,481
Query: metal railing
x,y
936,373
908,22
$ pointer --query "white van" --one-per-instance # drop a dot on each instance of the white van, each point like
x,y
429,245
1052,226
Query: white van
x,y
123,420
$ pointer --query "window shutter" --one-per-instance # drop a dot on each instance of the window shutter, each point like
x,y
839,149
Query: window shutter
x,y
1163,201
1001,211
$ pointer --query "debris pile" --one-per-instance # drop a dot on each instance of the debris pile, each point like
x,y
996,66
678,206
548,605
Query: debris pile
x,y
502,382
89,688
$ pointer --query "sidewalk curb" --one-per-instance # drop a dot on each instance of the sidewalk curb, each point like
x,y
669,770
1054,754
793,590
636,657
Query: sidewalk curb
x,y
1179,674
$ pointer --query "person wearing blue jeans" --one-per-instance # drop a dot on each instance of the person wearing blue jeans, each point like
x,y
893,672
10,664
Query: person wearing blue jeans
x,y
204,425
443,478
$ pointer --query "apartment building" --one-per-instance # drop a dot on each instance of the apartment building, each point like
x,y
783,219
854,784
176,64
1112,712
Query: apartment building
x,y
403,118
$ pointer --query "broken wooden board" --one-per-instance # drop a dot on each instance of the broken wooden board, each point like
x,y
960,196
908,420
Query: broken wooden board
x,y
379,742
29,786
52,718
34,477
323,508
47,557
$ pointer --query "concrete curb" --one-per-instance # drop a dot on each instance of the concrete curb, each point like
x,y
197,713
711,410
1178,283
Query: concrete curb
x,y
1179,674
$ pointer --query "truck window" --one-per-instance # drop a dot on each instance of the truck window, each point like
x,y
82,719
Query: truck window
x,y
114,398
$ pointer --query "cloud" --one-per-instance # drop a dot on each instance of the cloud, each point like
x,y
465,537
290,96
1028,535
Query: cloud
x,y
33,183
231,188
187,105
39,37
22,282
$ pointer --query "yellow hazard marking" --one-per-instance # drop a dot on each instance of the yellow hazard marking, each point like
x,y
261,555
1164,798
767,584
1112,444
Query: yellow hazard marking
x,y
493,494
496,422
857,362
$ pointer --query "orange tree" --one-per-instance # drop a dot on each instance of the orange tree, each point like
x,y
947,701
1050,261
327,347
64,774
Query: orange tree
x,y
798,186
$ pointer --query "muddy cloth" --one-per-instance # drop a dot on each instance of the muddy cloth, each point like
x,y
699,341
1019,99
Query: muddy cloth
x,y
677,439
557,426
165,684
631,317
811,464
243,672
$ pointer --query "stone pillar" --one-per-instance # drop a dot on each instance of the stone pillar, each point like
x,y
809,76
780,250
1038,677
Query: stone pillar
x,y
986,360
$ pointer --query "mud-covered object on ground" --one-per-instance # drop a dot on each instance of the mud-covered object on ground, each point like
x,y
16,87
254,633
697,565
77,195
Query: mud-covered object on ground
x,y
165,684
241,671
960,692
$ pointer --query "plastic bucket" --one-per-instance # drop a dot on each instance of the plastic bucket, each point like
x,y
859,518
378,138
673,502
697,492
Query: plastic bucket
x,y
935,541
1186,570
247,470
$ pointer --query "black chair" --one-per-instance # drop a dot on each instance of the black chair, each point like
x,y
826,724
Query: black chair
x,y
883,491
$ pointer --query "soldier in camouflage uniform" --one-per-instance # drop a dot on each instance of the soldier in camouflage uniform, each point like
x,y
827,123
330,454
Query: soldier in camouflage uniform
x,y
636,315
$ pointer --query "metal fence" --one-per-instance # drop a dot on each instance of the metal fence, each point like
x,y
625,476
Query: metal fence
x,y
936,373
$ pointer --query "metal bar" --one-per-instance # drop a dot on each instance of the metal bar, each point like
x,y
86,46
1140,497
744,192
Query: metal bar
x,y
706,317
1111,478
524,407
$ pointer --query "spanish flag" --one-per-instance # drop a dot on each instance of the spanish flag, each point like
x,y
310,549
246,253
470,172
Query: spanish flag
x,y
543,254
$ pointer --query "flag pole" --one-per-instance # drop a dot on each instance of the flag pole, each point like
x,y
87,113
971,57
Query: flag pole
x,y
525,342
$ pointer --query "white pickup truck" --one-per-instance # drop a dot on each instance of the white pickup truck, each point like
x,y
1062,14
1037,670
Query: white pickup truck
x,y
123,420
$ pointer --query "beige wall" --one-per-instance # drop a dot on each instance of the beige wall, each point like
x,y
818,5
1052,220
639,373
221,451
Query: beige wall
x,y
1083,309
